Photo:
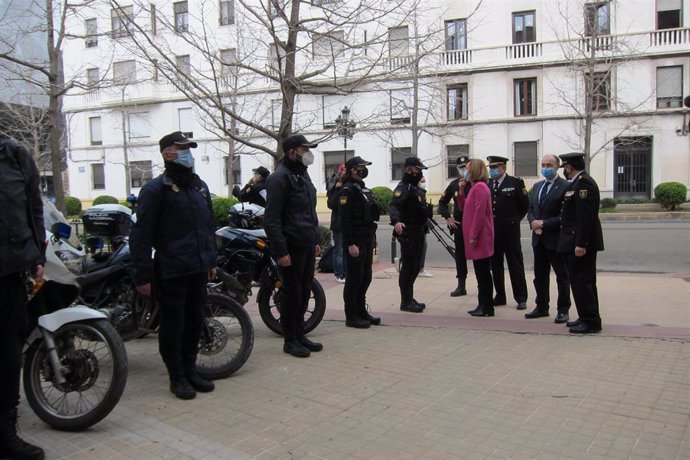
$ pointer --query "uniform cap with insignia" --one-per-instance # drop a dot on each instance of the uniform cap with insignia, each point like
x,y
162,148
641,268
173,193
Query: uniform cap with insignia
x,y
176,138
462,161
414,161
574,159
356,161
496,160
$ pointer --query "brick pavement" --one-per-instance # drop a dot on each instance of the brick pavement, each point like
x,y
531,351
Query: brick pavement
x,y
431,386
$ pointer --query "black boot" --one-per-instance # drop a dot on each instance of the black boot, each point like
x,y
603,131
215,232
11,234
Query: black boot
x,y
197,382
364,314
11,445
407,303
179,385
460,290
309,344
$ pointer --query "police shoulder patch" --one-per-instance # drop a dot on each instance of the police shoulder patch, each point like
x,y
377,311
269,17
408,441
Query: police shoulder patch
x,y
343,200
397,193
583,193
524,191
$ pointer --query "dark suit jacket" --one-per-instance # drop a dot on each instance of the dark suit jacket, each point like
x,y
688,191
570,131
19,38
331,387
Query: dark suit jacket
x,y
549,211
580,225
509,201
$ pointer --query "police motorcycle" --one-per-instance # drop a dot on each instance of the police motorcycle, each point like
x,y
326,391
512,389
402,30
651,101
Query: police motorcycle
x,y
106,281
75,363
244,261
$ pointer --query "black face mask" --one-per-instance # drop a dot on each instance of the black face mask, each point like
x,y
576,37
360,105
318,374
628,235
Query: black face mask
x,y
362,173
413,178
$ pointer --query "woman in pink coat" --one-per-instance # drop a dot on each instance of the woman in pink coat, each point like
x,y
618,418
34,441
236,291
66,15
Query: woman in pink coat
x,y
478,234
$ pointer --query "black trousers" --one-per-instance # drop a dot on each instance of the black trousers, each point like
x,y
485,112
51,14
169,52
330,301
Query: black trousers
x,y
296,290
507,244
181,300
410,250
358,279
583,282
544,260
460,258
482,271
13,319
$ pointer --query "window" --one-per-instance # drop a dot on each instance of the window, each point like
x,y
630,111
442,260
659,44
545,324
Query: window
x,y
669,86
236,170
457,102
456,34
228,69
97,176
332,108
139,125
333,159
328,45
601,90
524,27
181,12
93,77
124,72
453,152
185,118
597,19
154,20
401,102
91,35
227,12
95,130
526,159
398,155
182,63
669,14
525,96
120,19
140,172
276,110
398,41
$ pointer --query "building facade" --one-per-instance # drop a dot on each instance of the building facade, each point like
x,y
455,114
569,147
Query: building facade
x,y
518,78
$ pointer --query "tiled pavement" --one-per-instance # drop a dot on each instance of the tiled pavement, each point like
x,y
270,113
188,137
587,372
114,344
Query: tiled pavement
x,y
451,387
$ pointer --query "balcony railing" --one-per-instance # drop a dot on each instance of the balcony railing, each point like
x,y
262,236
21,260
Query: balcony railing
x,y
669,37
455,57
524,50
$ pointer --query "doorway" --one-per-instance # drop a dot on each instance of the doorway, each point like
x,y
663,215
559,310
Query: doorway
x,y
632,161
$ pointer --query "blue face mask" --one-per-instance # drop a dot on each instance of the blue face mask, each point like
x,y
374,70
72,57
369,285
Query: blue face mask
x,y
465,174
548,173
185,158
493,173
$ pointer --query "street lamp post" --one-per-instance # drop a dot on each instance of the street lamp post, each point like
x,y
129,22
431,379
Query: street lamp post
x,y
345,127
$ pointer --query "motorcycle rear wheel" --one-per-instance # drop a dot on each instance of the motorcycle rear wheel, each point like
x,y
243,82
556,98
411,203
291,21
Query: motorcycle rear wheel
x,y
95,363
227,337
269,300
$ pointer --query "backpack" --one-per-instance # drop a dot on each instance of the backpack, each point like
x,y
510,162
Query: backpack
x,y
326,262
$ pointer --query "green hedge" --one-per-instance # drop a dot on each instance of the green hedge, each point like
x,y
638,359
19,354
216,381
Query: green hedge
x,y
221,208
383,195
105,199
670,194
608,203
326,234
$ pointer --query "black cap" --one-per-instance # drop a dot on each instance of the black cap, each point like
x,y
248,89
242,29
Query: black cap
x,y
296,140
176,138
414,161
496,160
462,161
574,159
356,161
263,171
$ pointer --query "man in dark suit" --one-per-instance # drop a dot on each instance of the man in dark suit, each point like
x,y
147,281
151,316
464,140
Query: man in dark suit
x,y
510,205
544,216
580,239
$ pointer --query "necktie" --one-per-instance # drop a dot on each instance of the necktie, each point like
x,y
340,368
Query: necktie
x,y
495,185
543,193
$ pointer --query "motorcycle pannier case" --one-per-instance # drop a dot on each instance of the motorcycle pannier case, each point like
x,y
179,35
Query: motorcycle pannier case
x,y
109,220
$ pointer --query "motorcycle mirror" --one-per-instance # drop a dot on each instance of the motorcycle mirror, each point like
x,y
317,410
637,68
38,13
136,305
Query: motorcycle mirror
x,y
236,191
61,230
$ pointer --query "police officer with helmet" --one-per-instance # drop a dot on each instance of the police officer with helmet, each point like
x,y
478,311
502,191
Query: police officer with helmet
x,y
358,211
409,212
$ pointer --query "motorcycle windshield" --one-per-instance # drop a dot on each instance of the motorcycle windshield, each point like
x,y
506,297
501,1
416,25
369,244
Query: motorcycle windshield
x,y
51,215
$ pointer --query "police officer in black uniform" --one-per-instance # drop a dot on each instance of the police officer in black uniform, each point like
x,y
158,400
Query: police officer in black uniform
x,y
457,190
409,213
510,204
580,239
358,211
255,190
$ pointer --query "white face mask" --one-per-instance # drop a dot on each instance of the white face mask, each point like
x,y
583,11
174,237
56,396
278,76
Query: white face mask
x,y
422,185
307,158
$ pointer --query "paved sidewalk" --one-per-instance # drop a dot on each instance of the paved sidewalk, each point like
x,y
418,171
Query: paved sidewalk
x,y
436,385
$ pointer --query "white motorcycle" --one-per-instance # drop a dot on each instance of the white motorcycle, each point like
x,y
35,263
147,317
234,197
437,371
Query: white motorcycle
x,y
75,363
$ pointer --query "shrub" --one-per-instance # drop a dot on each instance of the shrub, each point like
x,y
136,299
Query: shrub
x,y
383,195
72,206
670,194
608,203
105,199
221,208
326,234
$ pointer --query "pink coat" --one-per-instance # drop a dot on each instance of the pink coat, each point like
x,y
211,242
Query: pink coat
x,y
478,222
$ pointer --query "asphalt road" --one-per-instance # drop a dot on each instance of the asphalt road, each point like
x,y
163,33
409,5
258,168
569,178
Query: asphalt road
x,y
639,247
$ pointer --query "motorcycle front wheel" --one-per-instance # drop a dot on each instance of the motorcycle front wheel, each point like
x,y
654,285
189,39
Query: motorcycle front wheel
x,y
227,337
93,360
270,300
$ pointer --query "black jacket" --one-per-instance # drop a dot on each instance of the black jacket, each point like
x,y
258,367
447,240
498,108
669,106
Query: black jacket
x,y
580,225
510,200
291,208
409,206
451,192
549,211
333,193
251,193
177,222
22,236
358,210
